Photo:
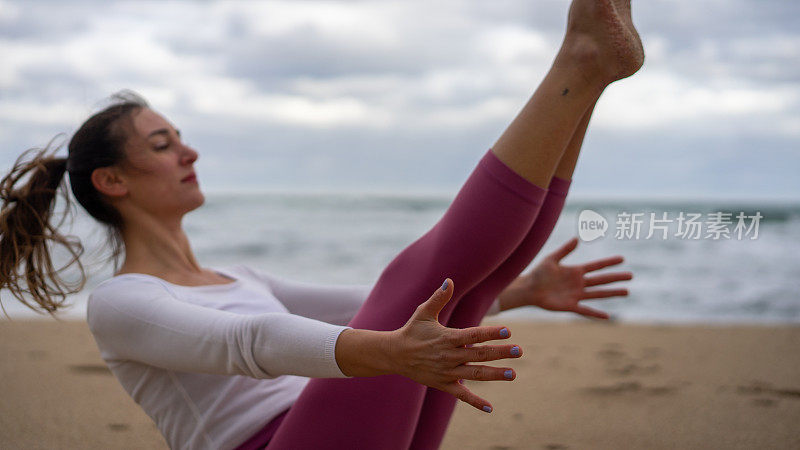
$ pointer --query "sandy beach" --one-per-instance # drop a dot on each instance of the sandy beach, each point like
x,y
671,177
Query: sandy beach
x,y
580,385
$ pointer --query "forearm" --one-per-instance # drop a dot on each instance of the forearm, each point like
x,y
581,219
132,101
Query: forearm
x,y
364,353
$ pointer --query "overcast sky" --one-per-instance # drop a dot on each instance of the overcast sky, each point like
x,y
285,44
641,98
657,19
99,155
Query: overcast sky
x,y
408,95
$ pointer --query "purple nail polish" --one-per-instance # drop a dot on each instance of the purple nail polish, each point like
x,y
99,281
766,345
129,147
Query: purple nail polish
x,y
444,286
460,381
487,408
504,332
515,351
508,374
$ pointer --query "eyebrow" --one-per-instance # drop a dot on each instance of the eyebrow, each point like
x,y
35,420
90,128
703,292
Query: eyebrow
x,y
163,131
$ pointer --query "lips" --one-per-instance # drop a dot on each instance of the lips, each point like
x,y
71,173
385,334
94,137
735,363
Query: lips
x,y
191,177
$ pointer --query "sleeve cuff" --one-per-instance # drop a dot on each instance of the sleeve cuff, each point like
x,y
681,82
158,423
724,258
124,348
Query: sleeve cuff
x,y
330,351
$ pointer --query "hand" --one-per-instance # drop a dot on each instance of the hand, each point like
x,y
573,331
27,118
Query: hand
x,y
436,356
556,287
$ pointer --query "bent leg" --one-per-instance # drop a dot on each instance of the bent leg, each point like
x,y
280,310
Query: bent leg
x,y
486,222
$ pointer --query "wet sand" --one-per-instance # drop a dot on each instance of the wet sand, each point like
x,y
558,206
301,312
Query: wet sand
x,y
580,385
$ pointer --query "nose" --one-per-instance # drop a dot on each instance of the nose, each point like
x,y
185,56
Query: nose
x,y
189,155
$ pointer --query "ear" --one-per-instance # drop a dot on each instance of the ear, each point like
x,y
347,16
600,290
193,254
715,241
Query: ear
x,y
107,181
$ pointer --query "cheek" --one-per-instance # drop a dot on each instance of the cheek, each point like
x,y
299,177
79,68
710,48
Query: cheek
x,y
154,183
154,170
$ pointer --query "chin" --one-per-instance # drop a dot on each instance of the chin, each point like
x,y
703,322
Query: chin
x,y
196,201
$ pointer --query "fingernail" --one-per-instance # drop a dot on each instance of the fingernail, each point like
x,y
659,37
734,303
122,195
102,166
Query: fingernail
x,y
508,374
504,332
515,351
460,381
444,286
487,408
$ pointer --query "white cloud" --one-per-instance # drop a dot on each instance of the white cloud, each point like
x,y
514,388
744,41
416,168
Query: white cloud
x,y
237,99
356,22
488,110
31,110
8,11
513,45
661,100
18,56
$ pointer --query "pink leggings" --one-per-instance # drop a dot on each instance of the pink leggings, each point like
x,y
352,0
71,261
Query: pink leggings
x,y
490,233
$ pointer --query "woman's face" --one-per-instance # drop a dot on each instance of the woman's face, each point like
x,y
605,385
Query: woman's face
x,y
157,166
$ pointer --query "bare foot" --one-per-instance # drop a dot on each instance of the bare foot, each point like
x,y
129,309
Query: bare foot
x,y
602,37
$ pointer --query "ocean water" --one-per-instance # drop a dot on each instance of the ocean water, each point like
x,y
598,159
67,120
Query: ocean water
x,y
349,238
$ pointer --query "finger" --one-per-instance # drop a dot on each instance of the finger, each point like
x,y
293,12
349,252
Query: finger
x,y
433,306
606,278
589,312
484,353
474,335
600,263
461,392
604,293
484,373
565,249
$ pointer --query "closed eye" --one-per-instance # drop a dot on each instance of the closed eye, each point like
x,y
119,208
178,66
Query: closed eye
x,y
166,134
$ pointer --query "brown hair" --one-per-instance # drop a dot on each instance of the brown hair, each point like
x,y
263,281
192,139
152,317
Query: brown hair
x,y
25,227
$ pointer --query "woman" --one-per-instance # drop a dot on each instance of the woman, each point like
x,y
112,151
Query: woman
x,y
221,358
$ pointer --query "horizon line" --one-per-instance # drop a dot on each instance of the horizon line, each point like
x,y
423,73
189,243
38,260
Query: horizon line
x,y
445,193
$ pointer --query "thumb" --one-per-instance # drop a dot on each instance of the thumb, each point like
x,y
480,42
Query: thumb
x,y
565,249
433,306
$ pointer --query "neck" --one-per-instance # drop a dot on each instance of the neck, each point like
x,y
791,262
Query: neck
x,y
157,247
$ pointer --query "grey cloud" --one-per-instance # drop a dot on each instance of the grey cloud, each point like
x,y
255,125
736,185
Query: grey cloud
x,y
305,51
36,21
688,27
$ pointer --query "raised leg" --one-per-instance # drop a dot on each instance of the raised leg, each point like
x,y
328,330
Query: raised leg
x,y
486,224
438,406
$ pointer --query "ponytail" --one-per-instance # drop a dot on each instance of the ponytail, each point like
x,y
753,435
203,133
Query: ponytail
x,y
25,227
25,230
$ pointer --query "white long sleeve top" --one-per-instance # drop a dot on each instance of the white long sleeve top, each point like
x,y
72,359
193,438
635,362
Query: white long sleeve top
x,y
213,364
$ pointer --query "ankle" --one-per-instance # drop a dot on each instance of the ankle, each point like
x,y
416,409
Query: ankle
x,y
581,53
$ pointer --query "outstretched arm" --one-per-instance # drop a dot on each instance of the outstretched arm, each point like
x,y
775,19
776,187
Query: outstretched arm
x,y
556,287
143,321
331,303
334,304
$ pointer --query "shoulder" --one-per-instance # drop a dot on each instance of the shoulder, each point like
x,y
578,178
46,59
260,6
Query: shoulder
x,y
126,284
124,293
249,272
